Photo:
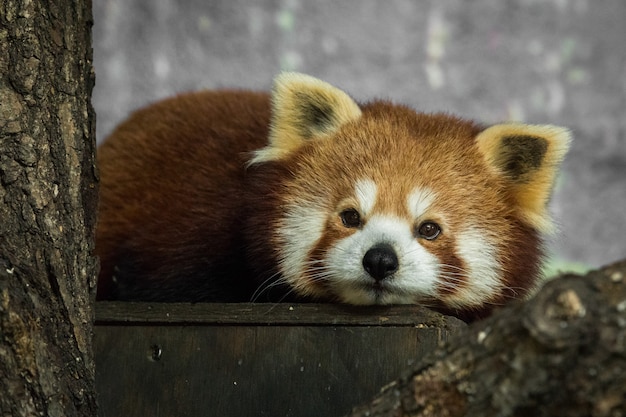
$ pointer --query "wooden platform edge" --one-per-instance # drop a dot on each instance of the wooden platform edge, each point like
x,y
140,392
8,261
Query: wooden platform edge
x,y
269,314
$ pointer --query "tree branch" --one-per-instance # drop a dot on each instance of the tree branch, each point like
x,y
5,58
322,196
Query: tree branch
x,y
561,353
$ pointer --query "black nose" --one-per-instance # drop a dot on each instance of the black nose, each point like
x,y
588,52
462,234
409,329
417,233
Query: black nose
x,y
380,261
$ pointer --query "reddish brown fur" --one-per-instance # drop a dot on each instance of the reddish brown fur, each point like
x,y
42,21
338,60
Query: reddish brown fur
x,y
428,143
182,219
170,212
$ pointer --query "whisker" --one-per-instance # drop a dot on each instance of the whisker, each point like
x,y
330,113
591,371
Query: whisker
x,y
269,283
454,267
317,272
452,279
276,304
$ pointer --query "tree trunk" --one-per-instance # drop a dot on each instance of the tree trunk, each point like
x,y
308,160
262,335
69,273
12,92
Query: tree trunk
x,y
563,353
48,199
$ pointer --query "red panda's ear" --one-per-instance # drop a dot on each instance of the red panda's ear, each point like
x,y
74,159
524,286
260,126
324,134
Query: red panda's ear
x,y
304,107
528,157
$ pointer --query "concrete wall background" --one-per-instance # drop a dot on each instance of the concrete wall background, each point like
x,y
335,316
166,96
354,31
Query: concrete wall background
x,y
557,61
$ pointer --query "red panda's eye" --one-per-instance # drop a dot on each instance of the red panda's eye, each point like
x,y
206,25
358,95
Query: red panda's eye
x,y
429,230
350,218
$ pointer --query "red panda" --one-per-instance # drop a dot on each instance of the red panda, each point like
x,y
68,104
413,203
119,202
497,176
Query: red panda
x,y
303,194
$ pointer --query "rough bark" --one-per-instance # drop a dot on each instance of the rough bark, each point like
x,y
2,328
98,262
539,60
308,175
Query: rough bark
x,y
563,353
47,208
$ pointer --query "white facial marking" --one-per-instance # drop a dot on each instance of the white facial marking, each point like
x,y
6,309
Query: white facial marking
x,y
482,269
300,230
415,278
366,192
419,201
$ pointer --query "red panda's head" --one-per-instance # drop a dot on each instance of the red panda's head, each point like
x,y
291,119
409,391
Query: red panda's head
x,y
379,204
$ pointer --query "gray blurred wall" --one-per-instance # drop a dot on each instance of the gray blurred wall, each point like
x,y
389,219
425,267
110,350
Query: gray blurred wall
x,y
559,61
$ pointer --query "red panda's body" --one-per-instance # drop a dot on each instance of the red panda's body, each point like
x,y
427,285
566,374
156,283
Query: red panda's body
x,y
239,196
170,213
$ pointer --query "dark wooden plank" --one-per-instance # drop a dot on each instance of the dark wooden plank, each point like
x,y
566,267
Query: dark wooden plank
x,y
291,360
223,370
271,314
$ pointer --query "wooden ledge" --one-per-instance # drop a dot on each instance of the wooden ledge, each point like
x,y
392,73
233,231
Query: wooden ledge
x,y
255,359
247,314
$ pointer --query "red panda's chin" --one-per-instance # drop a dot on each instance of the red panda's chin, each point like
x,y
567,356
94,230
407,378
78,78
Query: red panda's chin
x,y
361,291
372,294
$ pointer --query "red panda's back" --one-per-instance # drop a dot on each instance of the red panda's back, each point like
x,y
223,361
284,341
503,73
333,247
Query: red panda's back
x,y
160,172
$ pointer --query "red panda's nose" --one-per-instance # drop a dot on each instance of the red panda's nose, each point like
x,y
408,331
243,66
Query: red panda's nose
x,y
380,261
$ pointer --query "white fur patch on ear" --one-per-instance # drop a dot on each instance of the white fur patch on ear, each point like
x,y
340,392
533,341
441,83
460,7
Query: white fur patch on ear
x,y
304,107
528,158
